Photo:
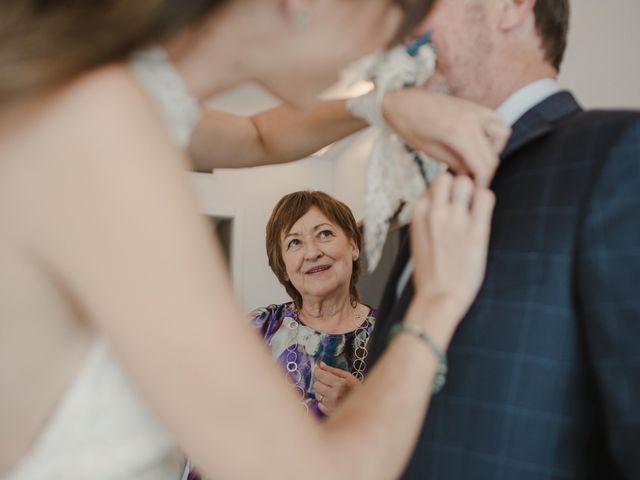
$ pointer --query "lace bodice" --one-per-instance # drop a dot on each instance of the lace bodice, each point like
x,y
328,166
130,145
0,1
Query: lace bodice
x,y
101,431
180,110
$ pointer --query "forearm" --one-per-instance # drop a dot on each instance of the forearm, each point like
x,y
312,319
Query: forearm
x,y
376,427
157,289
382,419
279,135
371,435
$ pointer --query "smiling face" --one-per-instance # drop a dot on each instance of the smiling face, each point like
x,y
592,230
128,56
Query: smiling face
x,y
318,256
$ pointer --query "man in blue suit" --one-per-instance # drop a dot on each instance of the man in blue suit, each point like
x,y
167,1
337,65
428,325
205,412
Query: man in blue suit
x,y
544,379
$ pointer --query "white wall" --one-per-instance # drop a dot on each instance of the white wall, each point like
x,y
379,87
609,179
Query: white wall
x,y
601,67
248,196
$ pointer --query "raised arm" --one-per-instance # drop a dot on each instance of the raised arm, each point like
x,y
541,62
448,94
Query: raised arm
x,y
465,136
130,249
279,135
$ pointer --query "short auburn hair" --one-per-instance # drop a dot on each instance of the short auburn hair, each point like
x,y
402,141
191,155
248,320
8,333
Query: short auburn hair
x,y
288,211
552,23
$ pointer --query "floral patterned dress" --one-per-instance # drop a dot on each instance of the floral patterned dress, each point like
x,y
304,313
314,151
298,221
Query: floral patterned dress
x,y
299,349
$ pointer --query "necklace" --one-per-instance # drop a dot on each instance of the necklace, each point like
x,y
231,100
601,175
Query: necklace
x,y
360,351
293,369
295,355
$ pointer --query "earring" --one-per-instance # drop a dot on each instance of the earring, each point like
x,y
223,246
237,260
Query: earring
x,y
301,20
355,258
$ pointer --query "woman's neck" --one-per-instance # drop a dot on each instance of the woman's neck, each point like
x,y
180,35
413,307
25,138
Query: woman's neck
x,y
222,51
204,73
332,314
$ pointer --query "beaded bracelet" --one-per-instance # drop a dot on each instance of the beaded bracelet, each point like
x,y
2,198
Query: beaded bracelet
x,y
441,374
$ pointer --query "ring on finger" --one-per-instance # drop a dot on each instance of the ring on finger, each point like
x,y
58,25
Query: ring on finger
x,y
489,127
320,398
461,198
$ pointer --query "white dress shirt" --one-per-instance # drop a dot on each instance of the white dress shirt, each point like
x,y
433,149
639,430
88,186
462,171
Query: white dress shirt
x,y
525,99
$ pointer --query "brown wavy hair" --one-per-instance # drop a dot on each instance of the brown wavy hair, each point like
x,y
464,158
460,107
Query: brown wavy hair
x,y
46,43
288,211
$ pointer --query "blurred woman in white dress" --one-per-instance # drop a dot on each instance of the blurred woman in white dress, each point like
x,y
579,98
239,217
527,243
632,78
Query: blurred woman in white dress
x,y
113,300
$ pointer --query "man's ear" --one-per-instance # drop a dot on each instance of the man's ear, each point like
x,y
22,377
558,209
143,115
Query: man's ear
x,y
355,251
516,13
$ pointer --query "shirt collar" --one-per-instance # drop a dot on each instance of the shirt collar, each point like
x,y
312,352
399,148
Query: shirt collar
x,y
526,98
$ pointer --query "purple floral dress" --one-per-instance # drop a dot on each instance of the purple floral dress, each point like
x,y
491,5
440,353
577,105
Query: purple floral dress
x,y
299,349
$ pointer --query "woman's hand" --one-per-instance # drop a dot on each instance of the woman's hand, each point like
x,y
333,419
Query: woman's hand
x,y
449,243
332,385
463,135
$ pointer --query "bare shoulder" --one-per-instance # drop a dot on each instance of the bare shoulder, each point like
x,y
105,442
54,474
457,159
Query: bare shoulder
x,y
79,180
82,143
101,113
50,166
112,98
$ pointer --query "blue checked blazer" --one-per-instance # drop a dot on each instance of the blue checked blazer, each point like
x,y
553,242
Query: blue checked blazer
x,y
544,378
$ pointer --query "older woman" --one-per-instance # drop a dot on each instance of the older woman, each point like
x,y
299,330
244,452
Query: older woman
x,y
320,338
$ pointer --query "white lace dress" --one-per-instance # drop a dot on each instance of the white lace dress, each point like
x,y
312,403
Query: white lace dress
x,y
101,431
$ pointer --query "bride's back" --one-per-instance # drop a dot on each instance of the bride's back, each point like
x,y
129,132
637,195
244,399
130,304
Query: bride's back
x,y
60,383
44,339
54,92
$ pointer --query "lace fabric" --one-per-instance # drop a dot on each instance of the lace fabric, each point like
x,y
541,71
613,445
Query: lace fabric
x,y
101,430
180,110
395,174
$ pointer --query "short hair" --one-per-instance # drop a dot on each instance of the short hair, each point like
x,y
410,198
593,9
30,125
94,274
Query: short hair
x,y
552,23
415,12
288,211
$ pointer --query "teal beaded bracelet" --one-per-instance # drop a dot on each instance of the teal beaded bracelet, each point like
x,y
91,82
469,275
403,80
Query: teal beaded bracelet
x,y
441,374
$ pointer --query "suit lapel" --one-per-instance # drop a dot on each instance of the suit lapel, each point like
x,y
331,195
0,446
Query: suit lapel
x,y
538,121
535,124
389,304
389,295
